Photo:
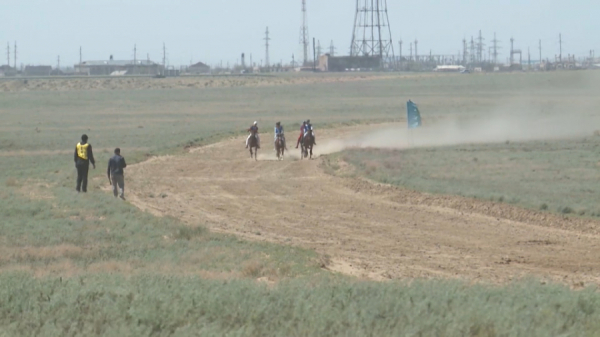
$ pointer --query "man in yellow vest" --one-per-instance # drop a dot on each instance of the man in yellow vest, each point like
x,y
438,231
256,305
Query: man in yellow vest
x,y
83,157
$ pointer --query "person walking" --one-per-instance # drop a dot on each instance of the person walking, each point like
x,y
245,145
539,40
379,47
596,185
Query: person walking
x,y
115,173
83,157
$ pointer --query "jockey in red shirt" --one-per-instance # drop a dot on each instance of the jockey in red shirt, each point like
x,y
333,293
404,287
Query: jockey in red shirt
x,y
301,133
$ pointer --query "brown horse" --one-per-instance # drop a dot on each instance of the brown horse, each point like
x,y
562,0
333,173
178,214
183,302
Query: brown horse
x,y
253,143
280,147
307,145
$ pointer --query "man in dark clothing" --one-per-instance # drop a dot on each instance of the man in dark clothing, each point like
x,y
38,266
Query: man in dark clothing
x,y
116,164
83,157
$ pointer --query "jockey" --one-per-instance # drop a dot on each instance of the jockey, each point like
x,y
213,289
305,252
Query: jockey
x,y
253,131
279,132
308,128
302,129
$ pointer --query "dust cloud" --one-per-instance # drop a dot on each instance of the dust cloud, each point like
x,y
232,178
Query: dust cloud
x,y
493,127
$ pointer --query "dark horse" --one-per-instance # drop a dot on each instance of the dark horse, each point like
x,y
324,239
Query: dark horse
x,y
307,145
253,143
280,146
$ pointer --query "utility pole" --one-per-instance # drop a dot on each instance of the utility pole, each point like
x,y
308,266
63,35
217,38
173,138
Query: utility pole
x,y
465,52
80,55
540,47
267,48
480,48
15,63
331,49
400,45
314,57
416,51
411,54
472,50
304,33
319,50
495,49
512,41
164,58
560,44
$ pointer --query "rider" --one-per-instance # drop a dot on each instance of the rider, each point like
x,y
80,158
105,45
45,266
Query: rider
x,y
301,133
253,131
308,128
279,132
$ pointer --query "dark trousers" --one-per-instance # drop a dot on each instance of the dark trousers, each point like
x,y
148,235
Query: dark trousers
x,y
83,166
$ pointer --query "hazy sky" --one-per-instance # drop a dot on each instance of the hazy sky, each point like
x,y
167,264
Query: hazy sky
x,y
211,31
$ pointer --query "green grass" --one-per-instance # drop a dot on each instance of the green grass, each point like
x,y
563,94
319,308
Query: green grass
x,y
558,176
92,265
110,305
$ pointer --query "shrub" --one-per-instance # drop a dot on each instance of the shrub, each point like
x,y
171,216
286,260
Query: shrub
x,y
567,210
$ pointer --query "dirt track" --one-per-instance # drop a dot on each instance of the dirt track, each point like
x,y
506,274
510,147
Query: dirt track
x,y
366,229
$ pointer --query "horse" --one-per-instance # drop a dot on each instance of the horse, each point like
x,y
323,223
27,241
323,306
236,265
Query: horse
x,y
280,146
253,143
307,145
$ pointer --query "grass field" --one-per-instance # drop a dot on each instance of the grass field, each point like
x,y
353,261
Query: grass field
x,y
91,265
554,175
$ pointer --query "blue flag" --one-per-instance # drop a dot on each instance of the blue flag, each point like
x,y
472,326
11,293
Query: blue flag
x,y
413,115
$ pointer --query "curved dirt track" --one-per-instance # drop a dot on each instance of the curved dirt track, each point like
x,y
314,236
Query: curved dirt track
x,y
362,228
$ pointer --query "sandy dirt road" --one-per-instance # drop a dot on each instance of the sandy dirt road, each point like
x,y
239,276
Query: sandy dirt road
x,y
362,228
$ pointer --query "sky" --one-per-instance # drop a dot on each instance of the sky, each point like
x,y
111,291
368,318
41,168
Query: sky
x,y
219,31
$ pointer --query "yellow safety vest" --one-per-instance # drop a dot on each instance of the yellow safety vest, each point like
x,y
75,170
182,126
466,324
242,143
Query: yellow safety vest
x,y
82,151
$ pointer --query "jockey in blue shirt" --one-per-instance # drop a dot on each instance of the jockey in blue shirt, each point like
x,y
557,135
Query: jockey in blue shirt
x,y
279,132
308,128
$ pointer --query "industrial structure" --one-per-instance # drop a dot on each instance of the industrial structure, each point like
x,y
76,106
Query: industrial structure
x,y
372,34
371,49
198,68
118,67
304,35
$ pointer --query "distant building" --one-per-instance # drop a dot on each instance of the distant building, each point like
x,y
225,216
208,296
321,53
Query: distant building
x,y
198,68
6,70
37,70
349,63
452,69
118,68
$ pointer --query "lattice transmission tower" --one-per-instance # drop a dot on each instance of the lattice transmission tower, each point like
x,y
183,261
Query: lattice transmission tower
x,y
372,35
304,38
